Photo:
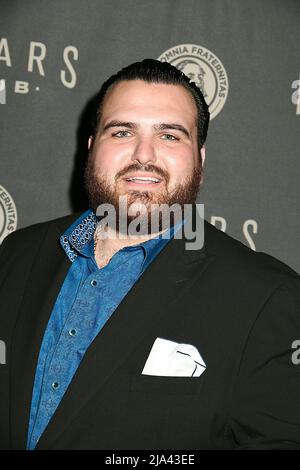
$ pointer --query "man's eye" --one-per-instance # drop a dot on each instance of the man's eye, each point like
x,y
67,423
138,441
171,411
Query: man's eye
x,y
169,137
121,134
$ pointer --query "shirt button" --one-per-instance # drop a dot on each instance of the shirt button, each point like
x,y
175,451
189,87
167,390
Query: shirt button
x,y
94,282
55,385
72,332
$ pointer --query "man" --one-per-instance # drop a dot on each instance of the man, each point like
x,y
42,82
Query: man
x,y
138,342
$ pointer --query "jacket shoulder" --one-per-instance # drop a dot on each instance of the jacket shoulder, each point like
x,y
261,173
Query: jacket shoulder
x,y
243,259
30,235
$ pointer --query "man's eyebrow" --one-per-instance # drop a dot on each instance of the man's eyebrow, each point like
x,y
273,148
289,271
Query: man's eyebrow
x,y
130,125
177,127
157,127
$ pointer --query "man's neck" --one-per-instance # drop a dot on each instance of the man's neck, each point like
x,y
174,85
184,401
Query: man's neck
x,y
110,242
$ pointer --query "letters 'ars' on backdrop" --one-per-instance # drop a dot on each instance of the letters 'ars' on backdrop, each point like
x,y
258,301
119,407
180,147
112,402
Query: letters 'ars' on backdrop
x,y
244,55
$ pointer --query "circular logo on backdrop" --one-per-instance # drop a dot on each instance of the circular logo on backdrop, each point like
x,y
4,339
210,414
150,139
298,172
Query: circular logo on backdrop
x,y
8,214
205,69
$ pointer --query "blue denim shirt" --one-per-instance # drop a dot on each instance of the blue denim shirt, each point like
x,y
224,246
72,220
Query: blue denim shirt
x,y
87,299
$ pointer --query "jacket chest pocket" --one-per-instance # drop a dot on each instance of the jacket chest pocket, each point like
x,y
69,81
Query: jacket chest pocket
x,y
166,385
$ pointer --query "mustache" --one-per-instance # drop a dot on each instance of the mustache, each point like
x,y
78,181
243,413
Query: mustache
x,y
148,168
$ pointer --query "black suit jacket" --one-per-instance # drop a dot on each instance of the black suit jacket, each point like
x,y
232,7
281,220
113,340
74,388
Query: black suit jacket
x,y
239,308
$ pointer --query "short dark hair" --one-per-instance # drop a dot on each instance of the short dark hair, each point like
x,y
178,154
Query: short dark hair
x,y
154,71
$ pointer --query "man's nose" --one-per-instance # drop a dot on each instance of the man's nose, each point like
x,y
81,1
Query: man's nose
x,y
144,152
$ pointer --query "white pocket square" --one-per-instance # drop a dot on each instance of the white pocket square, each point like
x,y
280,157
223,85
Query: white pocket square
x,y
171,359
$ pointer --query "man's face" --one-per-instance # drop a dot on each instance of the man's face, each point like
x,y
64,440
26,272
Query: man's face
x,y
146,131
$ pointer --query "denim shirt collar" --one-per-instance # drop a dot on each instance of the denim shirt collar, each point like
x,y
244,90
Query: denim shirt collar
x,y
78,239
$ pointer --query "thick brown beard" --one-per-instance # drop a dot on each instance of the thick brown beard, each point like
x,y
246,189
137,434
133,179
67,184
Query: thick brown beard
x,y
99,192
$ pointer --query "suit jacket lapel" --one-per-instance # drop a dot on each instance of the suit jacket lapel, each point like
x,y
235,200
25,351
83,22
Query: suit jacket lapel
x,y
151,299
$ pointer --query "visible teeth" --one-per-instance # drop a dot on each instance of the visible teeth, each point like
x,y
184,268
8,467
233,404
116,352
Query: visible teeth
x,y
155,180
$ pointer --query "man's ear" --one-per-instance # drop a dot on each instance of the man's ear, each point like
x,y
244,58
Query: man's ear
x,y
90,142
202,155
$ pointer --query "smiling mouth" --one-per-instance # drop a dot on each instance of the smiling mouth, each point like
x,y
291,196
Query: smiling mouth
x,y
143,180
